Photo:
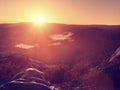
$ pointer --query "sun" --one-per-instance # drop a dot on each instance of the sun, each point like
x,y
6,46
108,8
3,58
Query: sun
x,y
39,20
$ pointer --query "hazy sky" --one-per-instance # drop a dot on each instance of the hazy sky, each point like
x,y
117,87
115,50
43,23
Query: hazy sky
x,y
62,11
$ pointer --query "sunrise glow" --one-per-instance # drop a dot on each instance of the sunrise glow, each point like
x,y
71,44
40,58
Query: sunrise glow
x,y
39,20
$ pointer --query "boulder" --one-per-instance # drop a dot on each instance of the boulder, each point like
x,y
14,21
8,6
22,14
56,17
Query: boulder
x,y
24,86
30,79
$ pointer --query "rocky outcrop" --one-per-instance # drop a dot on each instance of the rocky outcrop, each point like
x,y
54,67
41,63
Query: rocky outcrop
x,y
30,75
112,68
105,76
30,79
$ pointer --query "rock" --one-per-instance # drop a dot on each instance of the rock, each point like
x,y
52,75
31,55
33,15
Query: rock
x,y
24,86
112,68
115,56
105,76
30,79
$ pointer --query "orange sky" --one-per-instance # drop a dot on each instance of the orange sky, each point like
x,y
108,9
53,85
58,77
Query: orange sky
x,y
61,11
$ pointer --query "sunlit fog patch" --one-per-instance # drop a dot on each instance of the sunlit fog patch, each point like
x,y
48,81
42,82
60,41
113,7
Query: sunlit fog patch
x,y
55,44
25,46
62,37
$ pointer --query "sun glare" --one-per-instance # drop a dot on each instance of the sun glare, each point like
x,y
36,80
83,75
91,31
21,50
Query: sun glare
x,y
39,20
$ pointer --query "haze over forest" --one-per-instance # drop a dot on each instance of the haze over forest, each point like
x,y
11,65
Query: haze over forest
x,y
59,45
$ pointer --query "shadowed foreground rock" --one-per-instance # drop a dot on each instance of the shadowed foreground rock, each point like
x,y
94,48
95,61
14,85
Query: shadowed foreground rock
x,y
24,86
30,79
112,68
105,76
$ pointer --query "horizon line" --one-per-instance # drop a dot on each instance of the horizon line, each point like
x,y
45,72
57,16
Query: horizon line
x,y
63,23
